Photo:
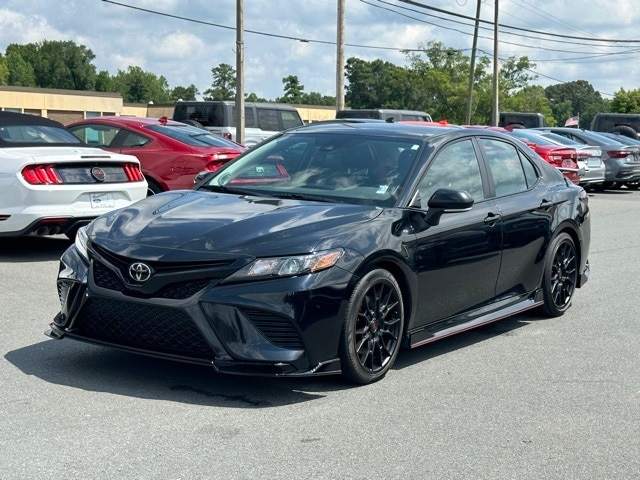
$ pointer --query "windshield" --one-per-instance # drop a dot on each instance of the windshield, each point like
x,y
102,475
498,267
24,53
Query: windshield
x,y
356,169
14,135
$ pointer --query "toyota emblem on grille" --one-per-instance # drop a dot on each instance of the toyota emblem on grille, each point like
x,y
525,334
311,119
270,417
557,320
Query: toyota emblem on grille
x,y
98,173
140,272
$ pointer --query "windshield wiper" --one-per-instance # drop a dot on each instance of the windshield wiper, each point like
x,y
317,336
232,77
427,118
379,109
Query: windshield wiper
x,y
232,190
301,196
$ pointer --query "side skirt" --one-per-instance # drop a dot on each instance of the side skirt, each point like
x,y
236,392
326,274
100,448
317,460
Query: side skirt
x,y
451,326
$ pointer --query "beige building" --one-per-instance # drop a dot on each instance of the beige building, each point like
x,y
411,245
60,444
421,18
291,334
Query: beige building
x,y
68,106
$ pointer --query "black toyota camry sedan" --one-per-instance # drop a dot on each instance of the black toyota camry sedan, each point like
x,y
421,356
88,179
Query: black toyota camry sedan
x,y
327,249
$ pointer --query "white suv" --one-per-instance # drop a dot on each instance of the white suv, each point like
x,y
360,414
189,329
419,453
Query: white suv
x,y
262,119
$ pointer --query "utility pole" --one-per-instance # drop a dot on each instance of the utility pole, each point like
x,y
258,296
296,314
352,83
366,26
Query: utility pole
x,y
496,71
239,72
340,57
472,69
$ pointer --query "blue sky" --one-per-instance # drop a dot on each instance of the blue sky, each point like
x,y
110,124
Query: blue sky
x,y
185,39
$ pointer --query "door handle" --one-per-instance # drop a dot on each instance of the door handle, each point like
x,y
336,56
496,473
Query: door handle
x,y
546,204
492,218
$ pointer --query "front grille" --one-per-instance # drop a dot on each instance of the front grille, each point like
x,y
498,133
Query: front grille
x,y
148,327
277,329
171,280
105,278
180,291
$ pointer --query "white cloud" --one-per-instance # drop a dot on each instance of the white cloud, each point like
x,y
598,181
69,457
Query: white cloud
x,y
184,50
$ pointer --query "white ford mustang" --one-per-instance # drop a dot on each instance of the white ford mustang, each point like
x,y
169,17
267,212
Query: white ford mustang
x,y
51,183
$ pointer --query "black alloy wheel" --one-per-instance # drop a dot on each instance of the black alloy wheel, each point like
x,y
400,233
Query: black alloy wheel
x,y
372,329
560,275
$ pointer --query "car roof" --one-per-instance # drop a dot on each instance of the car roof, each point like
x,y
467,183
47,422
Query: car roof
x,y
14,118
131,121
375,128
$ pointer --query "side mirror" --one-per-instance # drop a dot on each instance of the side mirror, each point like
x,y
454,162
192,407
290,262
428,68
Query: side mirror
x,y
446,200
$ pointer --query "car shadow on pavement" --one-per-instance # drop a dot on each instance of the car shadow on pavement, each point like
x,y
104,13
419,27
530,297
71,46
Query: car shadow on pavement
x,y
32,249
506,326
102,369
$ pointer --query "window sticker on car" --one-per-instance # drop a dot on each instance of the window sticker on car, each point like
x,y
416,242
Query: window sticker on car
x,y
102,200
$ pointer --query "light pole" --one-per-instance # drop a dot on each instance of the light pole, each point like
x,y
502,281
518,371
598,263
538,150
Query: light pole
x,y
472,69
494,120
340,57
239,72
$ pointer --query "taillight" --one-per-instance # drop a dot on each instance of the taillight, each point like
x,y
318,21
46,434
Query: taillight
x,y
133,172
619,153
213,166
41,175
226,135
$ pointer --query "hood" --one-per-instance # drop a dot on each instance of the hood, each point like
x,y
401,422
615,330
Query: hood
x,y
203,225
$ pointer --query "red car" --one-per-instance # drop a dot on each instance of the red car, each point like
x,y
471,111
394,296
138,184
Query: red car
x,y
560,156
171,153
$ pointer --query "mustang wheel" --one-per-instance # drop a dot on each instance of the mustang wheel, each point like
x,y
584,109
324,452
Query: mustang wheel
x,y
372,328
560,275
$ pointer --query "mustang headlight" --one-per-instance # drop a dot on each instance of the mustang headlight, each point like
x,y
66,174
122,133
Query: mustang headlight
x,y
81,242
287,266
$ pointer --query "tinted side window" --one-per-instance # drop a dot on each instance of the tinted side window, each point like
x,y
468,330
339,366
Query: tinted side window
x,y
98,136
506,166
268,119
249,117
132,140
290,119
455,166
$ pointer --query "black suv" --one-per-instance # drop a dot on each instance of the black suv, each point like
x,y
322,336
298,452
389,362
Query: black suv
x,y
627,124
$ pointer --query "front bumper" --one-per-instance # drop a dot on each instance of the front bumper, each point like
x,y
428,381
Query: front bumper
x,y
289,326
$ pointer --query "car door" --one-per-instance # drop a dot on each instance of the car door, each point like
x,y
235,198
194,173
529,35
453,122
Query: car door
x,y
457,261
526,205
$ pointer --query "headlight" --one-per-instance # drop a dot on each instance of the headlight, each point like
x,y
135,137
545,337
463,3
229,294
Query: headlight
x,y
262,268
81,242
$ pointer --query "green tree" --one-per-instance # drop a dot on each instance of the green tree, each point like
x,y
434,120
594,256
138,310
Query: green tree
x,y
184,93
575,98
376,84
252,97
315,98
530,99
4,71
137,86
293,90
20,72
626,101
224,83
59,64
104,82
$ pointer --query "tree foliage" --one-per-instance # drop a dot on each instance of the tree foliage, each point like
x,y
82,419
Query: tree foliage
x,y
55,64
137,86
223,86
626,101
184,93
577,98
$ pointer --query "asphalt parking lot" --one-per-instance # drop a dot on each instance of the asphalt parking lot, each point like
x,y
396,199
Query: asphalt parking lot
x,y
525,398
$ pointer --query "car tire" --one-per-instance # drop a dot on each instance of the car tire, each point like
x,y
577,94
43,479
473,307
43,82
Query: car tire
x,y
194,123
372,328
560,275
632,185
152,187
626,131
